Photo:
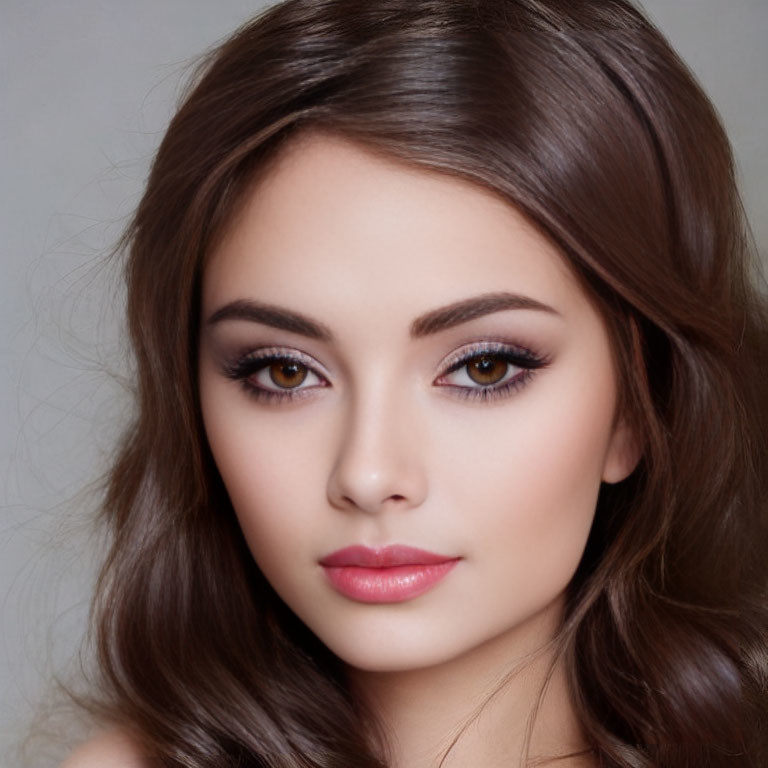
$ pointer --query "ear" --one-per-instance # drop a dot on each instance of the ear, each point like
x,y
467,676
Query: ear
x,y
623,454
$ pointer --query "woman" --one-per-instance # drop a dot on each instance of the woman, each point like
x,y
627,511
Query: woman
x,y
451,405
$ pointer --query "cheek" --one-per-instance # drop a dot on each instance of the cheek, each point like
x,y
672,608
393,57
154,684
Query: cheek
x,y
527,481
268,463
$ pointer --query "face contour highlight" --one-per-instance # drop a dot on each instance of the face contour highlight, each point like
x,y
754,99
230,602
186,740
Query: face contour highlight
x,y
480,434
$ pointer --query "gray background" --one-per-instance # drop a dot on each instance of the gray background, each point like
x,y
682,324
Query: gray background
x,y
87,88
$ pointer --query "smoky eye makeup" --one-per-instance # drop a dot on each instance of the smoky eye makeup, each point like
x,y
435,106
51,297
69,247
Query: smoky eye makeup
x,y
275,374
490,370
481,371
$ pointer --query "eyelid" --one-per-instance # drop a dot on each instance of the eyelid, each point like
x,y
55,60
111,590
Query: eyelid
x,y
255,360
459,357
454,360
282,353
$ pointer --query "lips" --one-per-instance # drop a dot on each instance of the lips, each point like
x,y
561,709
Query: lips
x,y
387,575
386,557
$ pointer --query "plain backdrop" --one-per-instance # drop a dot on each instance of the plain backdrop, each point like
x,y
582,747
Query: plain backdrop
x,y
86,90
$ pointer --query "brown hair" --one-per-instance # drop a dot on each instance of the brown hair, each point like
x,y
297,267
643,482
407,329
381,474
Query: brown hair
x,y
580,115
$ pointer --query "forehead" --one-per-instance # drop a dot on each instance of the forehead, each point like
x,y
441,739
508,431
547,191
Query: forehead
x,y
334,229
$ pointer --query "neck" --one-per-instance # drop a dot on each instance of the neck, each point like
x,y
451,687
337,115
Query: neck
x,y
475,709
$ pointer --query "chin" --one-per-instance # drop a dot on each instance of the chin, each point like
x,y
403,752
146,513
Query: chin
x,y
384,640
387,645
395,656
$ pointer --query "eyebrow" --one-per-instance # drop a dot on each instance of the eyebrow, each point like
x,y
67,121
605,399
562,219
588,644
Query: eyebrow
x,y
434,321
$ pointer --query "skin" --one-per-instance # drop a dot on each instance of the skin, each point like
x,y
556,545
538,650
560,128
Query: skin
x,y
378,447
114,748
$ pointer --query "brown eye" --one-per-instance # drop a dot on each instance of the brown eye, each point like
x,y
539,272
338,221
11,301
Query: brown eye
x,y
487,369
287,375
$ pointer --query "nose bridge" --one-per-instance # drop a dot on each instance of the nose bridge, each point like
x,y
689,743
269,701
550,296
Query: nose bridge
x,y
378,462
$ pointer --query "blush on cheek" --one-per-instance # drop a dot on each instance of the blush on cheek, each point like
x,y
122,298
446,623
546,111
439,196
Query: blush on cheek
x,y
539,492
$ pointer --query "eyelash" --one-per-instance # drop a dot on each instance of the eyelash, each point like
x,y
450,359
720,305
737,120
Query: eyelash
x,y
526,360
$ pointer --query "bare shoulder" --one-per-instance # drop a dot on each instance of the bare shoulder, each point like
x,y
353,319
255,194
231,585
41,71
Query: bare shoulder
x,y
108,749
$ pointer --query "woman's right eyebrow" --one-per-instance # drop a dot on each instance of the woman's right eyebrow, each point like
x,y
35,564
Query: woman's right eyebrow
x,y
431,322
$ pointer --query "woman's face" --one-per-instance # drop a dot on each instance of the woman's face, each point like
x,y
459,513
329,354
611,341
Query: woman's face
x,y
395,359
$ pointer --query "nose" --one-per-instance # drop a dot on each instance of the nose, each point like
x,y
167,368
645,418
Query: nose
x,y
378,462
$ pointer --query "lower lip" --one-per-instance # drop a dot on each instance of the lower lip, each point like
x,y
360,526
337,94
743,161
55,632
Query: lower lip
x,y
386,585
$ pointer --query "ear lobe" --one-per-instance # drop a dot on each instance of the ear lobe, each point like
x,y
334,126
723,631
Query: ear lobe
x,y
623,454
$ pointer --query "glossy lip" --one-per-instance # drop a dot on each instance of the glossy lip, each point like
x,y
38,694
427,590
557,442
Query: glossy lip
x,y
390,574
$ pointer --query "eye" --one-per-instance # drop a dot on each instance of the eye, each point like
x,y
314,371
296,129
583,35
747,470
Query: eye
x,y
482,371
490,370
275,374
486,370
282,374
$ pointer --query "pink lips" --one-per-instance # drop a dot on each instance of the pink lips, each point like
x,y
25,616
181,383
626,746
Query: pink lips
x,y
388,575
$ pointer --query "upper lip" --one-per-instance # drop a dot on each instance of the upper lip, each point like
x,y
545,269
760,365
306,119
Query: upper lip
x,y
384,557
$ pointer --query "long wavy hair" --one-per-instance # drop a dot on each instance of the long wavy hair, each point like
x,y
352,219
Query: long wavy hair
x,y
579,114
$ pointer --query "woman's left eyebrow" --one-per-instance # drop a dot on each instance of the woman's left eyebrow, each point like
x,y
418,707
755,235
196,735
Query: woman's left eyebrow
x,y
434,321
